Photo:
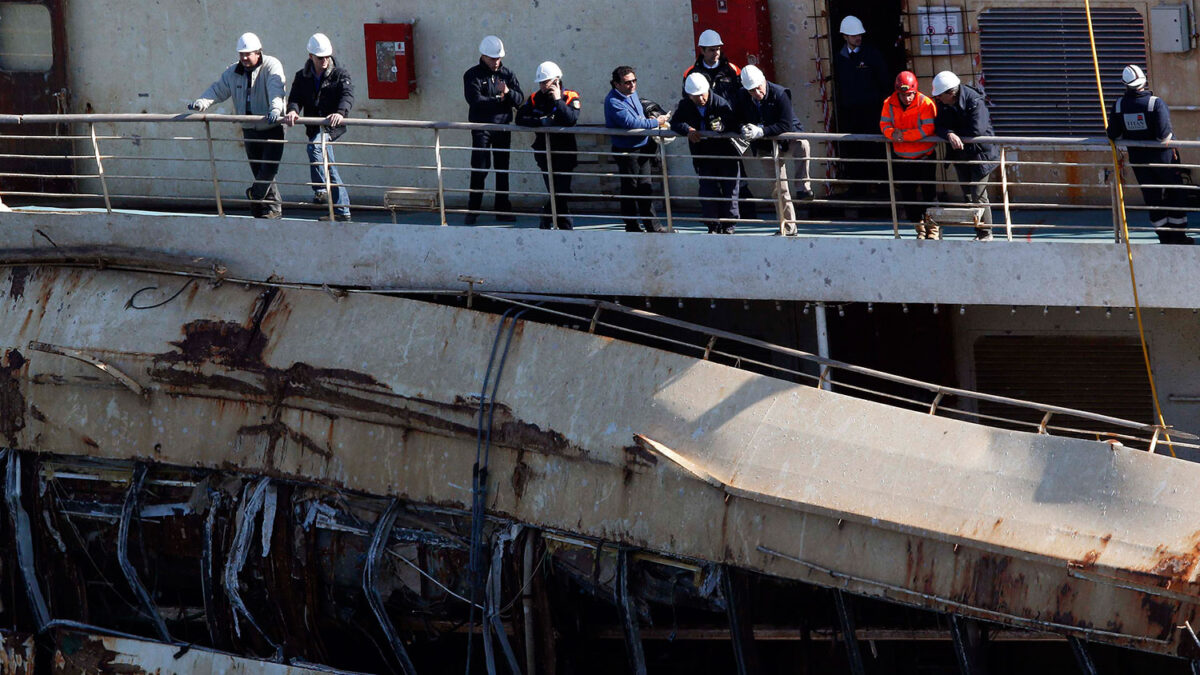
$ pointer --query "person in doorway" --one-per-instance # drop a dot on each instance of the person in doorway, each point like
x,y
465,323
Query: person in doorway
x,y
256,84
633,154
907,120
323,89
1139,115
862,81
492,92
764,110
553,106
962,113
722,75
716,160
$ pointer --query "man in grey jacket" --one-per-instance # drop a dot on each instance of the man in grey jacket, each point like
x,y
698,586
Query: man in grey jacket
x,y
256,85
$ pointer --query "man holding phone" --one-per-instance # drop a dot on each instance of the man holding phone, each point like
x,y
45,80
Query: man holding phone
x,y
553,106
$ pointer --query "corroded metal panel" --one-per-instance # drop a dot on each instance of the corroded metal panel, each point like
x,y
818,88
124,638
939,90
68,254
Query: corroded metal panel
x,y
381,394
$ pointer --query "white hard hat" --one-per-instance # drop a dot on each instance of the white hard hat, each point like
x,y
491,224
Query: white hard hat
x,y
851,26
1133,76
319,45
709,38
695,84
248,42
547,70
492,47
753,77
944,81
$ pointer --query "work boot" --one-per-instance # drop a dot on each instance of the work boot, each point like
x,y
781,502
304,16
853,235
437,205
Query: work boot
x,y
983,234
933,232
920,228
320,196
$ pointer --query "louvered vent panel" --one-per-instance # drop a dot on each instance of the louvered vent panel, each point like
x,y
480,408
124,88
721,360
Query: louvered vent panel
x,y
1037,67
1099,374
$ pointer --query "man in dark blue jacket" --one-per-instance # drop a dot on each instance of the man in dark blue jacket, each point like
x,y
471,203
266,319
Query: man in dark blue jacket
x,y
962,113
717,161
553,106
764,109
633,154
1139,115
323,89
492,92
862,81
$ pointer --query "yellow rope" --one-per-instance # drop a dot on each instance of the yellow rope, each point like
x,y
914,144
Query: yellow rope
x,y
1137,307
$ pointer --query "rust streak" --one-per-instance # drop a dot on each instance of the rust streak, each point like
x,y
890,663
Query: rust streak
x,y
12,401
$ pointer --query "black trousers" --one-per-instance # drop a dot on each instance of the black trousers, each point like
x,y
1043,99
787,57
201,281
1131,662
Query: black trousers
x,y
1168,215
264,149
636,166
562,186
721,187
916,180
490,148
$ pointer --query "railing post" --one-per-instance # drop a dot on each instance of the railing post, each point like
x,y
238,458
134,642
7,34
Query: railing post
x,y
666,181
1114,201
325,165
212,165
1004,191
100,167
892,190
550,184
437,156
779,206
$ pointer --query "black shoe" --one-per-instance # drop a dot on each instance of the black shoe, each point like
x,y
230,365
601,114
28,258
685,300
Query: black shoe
x,y
470,219
338,217
320,196
805,196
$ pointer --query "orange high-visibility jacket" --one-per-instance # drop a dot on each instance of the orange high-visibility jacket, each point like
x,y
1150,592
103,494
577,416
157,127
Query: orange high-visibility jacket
x,y
915,123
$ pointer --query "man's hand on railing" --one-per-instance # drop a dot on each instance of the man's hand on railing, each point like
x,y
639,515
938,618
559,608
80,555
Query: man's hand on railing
x,y
200,104
290,118
335,120
272,117
751,131
955,141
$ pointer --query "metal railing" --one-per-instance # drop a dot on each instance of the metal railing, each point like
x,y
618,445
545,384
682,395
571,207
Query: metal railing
x,y
418,167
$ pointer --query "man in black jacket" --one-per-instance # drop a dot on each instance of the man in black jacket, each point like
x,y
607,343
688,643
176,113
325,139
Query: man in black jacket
x,y
492,92
323,89
862,81
962,113
716,160
722,75
1139,115
553,106
764,109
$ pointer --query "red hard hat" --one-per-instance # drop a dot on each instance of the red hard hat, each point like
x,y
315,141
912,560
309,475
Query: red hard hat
x,y
906,81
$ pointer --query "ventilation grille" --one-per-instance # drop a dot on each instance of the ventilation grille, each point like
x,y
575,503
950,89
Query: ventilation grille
x,y
1037,65
1098,374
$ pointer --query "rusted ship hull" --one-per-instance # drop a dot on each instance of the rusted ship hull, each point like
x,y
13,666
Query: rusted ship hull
x,y
602,440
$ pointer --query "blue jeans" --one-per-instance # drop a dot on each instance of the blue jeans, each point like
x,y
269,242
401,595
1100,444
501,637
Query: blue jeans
x,y
316,173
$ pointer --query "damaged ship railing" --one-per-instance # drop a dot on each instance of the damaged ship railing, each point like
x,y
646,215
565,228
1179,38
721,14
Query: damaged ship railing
x,y
1053,186
1149,434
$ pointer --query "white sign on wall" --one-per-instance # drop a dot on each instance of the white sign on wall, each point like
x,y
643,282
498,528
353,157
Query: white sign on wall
x,y
940,30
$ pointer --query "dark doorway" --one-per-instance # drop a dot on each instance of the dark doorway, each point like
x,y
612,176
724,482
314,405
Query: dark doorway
x,y
885,31
33,80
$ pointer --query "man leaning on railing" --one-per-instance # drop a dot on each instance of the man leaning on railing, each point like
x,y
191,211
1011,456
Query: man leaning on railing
x,y
962,112
633,154
256,85
553,106
323,89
